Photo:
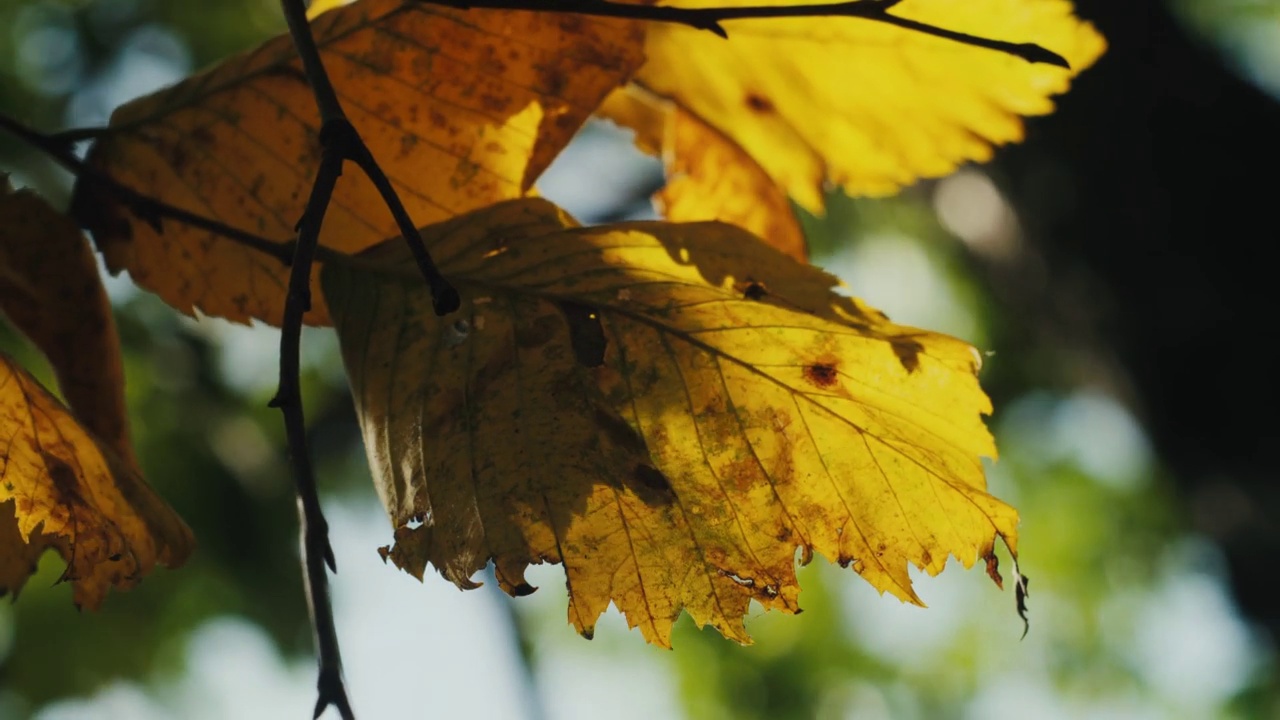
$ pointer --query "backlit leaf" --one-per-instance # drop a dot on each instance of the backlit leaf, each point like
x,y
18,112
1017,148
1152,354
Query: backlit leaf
x,y
672,411
861,104
61,488
709,177
460,108
50,289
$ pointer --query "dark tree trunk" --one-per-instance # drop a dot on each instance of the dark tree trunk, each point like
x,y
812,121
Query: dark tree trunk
x,y
1157,181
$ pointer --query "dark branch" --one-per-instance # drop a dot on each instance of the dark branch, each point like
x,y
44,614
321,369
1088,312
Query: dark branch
x,y
152,210
316,550
337,137
444,298
341,142
142,205
710,19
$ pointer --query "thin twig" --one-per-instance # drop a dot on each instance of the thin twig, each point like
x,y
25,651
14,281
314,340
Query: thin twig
x,y
341,142
336,136
316,550
152,210
143,206
710,19
444,298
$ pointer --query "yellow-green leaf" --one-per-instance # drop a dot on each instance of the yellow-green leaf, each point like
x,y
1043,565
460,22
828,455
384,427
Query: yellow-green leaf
x,y
864,105
60,487
460,108
709,176
671,411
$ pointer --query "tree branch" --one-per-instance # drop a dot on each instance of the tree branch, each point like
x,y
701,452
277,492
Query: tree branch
x,y
316,550
341,142
710,19
336,136
153,211
143,206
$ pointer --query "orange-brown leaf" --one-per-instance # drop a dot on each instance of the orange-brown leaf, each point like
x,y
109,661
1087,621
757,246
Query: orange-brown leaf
x,y
461,109
60,487
50,289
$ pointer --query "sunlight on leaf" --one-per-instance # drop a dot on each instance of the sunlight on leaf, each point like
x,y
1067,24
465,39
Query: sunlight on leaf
x,y
709,177
671,411
67,491
461,109
867,106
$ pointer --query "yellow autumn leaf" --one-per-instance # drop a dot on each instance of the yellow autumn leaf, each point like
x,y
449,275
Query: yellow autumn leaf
x,y
50,289
709,177
867,106
672,411
460,108
60,487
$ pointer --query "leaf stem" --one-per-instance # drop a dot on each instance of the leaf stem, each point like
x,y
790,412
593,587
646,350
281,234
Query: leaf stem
x,y
710,19
444,298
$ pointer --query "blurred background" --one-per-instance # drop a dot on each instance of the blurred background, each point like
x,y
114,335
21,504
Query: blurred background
x,y
1114,267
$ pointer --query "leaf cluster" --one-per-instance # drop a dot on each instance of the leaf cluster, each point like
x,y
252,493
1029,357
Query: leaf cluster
x,y
675,411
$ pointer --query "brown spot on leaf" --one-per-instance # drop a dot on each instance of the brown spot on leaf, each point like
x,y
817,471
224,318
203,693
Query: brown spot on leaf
x,y
821,374
586,334
522,590
64,480
650,485
993,569
495,104
908,352
619,432
551,79
651,478
407,144
759,103
743,474
754,291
